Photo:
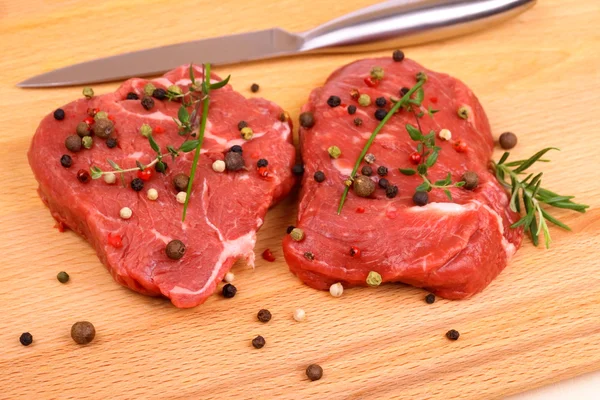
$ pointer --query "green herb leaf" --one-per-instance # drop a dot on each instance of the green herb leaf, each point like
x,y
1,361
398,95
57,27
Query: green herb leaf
x,y
153,144
95,172
504,157
419,115
407,171
189,145
460,184
432,157
444,182
422,169
140,165
529,162
192,76
220,84
183,115
114,165
419,96
423,187
448,194
413,132
431,111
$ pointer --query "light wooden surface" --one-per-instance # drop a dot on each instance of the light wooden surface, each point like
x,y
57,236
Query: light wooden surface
x,y
539,322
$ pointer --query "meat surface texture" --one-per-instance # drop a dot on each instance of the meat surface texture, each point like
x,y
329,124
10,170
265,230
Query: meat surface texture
x,y
225,209
454,249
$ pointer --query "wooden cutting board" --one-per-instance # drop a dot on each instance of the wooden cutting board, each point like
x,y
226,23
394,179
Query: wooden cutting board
x,y
539,322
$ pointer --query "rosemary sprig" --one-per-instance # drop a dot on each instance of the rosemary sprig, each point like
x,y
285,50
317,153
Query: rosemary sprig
x,y
529,194
206,87
400,103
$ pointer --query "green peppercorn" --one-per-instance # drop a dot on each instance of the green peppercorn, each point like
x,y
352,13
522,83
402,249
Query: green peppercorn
x,y
175,90
146,130
73,143
83,129
314,372
103,128
87,142
100,115
334,151
175,249
508,140
463,112
149,89
364,100
363,186
297,234
471,180
62,277
307,119
374,279
247,133
88,92
377,73
83,332
181,182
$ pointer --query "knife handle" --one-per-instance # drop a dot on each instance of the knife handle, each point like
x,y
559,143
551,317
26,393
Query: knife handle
x,y
397,23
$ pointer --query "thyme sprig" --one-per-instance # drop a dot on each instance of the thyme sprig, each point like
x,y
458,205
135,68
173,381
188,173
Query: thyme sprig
x,y
406,99
528,195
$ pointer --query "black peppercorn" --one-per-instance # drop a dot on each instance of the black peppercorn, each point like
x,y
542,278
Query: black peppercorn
x,y
175,249
66,161
398,55
380,114
62,277
334,101
382,171
430,298
264,315
357,121
351,109
262,163
383,183
314,372
241,125
111,143
26,339
137,184
83,332
452,334
59,114
307,119
159,94
132,96
258,342
181,182
298,169
391,191
229,291
471,180
236,148
319,176
404,90
234,161
366,170
380,102
508,140
290,229
420,198
147,102
73,143
254,88
161,166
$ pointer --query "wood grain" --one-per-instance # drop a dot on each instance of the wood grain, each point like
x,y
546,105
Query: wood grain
x,y
537,75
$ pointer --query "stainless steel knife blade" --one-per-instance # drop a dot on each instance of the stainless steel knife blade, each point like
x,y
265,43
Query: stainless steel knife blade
x,y
220,50
393,23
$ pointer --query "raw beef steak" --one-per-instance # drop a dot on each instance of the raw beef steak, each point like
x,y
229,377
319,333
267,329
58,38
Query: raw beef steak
x,y
453,248
225,209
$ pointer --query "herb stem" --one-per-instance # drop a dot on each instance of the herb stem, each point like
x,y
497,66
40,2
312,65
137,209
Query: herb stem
x,y
371,139
205,104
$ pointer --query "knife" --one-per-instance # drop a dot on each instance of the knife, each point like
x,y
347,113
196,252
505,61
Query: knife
x,y
389,24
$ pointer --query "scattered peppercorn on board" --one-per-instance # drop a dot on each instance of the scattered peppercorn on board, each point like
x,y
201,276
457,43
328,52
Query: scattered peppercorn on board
x,y
537,75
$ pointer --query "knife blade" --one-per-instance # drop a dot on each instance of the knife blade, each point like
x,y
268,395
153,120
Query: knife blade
x,y
390,24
